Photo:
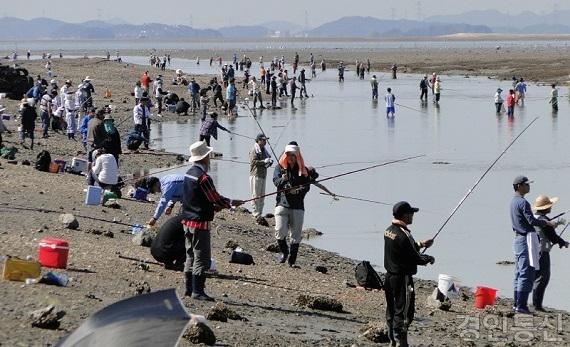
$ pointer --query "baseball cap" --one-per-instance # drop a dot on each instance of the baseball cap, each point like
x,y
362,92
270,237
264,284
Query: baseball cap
x,y
403,207
261,137
521,179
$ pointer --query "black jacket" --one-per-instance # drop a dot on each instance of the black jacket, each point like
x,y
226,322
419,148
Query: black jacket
x,y
401,252
285,199
29,116
195,205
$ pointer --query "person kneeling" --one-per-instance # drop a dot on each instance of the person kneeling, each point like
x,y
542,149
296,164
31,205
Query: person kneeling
x,y
105,172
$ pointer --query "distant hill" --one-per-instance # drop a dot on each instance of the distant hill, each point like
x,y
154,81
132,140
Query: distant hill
x,y
38,28
524,23
373,27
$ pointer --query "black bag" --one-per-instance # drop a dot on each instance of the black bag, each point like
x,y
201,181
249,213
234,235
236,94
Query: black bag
x,y
367,277
43,161
241,258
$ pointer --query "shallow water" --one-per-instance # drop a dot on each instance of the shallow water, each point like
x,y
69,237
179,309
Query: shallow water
x,y
341,124
284,44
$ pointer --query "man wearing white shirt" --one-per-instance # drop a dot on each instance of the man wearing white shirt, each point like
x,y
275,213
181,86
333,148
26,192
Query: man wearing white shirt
x,y
141,118
255,88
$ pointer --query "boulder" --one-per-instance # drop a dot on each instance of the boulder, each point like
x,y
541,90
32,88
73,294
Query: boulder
x,y
222,313
375,332
69,221
144,238
438,301
311,232
199,332
322,303
46,318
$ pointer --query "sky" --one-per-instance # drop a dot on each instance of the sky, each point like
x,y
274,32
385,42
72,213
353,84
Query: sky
x,y
220,13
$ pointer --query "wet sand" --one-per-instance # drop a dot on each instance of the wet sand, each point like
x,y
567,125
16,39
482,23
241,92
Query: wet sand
x,y
264,293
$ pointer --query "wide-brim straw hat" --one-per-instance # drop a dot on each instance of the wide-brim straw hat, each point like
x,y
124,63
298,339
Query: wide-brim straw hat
x,y
543,202
199,150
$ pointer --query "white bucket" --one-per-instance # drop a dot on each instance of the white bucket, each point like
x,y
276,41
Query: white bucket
x,y
448,285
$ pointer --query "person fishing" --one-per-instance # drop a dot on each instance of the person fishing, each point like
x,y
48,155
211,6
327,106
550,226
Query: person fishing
x,y
390,103
401,259
437,90
521,91
523,224
511,103
260,160
141,118
394,71
200,200
292,179
340,69
209,128
170,188
554,98
424,85
547,237
374,86
499,100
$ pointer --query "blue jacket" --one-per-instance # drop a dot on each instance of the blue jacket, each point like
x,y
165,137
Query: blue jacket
x,y
522,217
84,124
171,187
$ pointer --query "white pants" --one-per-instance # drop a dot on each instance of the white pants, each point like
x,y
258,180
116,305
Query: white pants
x,y
71,122
257,187
289,221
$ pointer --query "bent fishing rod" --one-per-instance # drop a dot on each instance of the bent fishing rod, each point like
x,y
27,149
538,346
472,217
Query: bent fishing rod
x,y
410,108
479,180
335,176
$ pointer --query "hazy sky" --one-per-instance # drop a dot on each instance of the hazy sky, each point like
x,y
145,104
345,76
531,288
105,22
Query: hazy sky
x,y
219,13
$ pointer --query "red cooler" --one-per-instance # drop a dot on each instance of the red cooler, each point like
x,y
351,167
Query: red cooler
x,y
53,253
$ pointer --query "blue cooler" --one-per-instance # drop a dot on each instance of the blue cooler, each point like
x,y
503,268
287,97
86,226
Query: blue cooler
x,y
93,195
140,194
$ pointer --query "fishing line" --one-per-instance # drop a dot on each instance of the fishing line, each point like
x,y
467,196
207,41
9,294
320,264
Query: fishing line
x,y
260,128
479,180
336,176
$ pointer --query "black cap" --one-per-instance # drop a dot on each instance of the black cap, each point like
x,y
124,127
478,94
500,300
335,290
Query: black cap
x,y
521,179
403,207
261,137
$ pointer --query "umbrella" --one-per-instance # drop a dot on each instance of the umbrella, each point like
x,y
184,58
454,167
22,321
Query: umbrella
x,y
154,319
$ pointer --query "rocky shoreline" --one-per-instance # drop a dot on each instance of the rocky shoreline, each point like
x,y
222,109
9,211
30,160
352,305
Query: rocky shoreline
x,y
271,297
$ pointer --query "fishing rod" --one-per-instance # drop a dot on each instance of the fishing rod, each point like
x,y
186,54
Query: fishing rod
x,y
558,215
563,230
479,180
411,108
156,172
246,100
357,199
44,210
336,176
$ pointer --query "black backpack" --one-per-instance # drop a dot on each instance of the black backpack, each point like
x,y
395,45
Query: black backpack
x,y
367,277
43,161
241,258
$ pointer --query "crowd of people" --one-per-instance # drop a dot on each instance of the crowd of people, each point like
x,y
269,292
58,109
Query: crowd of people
x,y
184,240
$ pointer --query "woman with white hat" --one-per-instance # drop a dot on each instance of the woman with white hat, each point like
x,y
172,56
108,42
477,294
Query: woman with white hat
x,y
547,238
200,201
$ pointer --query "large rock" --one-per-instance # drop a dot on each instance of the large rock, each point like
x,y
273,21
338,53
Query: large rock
x,y
438,301
144,238
69,221
322,303
200,333
311,232
46,318
375,332
222,313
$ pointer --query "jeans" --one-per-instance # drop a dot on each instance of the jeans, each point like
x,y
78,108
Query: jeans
x,y
524,273
44,116
375,93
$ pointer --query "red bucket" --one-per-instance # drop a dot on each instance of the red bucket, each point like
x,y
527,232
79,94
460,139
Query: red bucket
x,y
53,253
485,296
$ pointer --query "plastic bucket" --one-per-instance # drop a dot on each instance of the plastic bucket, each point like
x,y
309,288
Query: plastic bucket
x,y
485,296
448,285
93,195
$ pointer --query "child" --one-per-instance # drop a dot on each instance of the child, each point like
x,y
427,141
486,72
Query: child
x,y
390,103
511,103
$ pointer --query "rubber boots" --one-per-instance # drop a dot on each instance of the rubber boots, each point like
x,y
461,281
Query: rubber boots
x,y
198,284
293,254
188,289
284,250
402,340
522,306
